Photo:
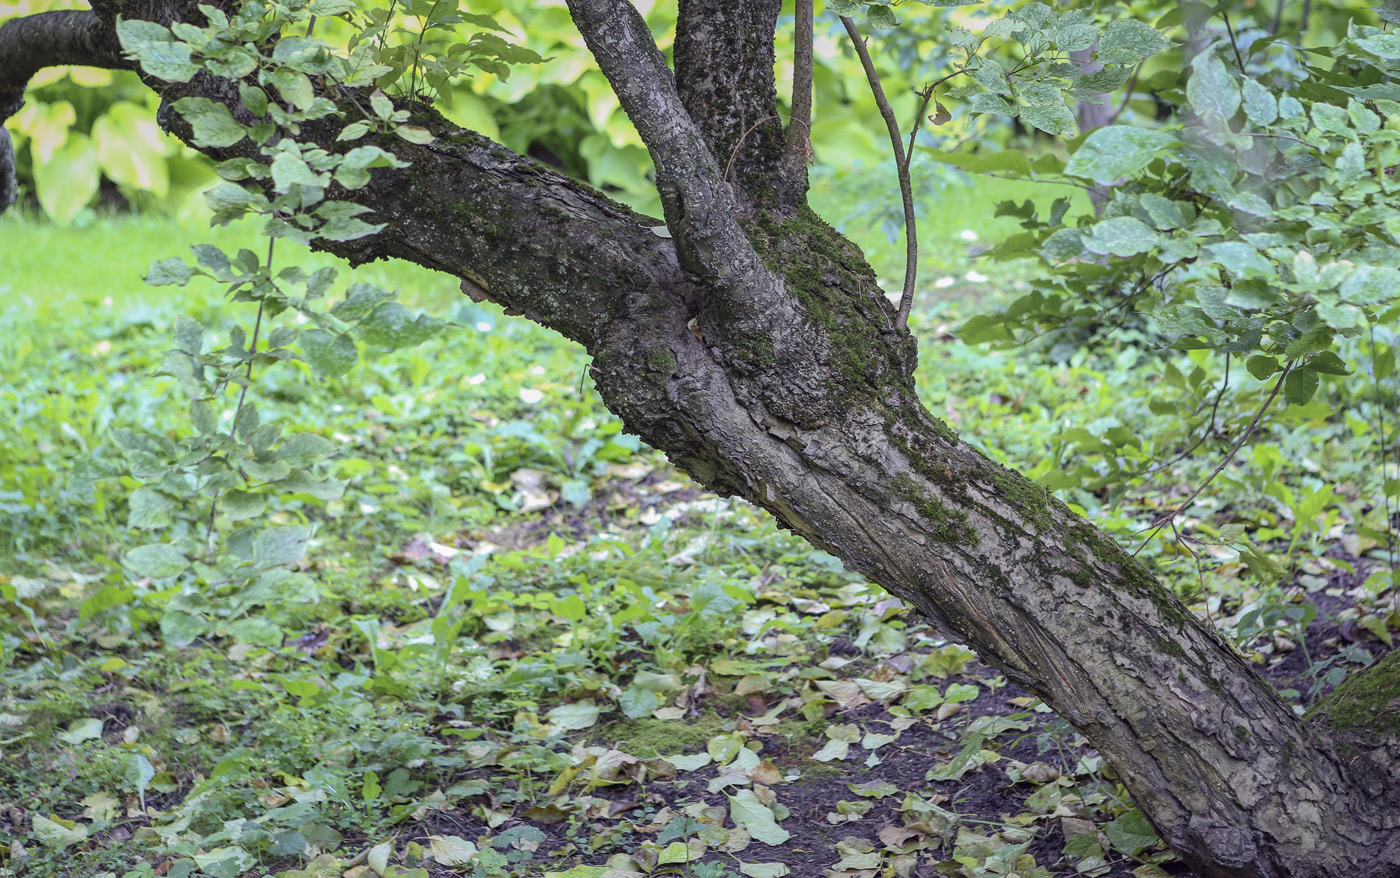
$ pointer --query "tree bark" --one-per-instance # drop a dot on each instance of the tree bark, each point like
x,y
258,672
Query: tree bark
x,y
756,350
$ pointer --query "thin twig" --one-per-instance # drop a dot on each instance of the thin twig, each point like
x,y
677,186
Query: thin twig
x,y
730,164
906,189
242,395
1128,97
1205,434
797,142
925,96
1277,137
1230,29
1244,437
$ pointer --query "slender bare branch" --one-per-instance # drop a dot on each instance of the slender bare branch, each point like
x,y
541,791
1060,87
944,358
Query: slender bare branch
x,y
699,204
906,188
799,136
1244,437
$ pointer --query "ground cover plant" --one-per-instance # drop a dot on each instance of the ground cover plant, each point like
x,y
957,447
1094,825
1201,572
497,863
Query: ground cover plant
x,y
600,643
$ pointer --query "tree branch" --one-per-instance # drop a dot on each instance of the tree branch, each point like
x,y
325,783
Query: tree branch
x,y
31,43
906,189
798,149
699,204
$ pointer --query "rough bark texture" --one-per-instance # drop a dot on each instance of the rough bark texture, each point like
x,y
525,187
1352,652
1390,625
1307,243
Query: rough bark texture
x,y
724,74
756,350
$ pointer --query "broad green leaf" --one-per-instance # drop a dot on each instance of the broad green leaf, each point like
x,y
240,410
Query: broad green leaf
x,y
1260,105
1127,41
155,561
305,449
393,326
693,762
1007,161
256,631
57,834
637,703
242,505
331,355
1116,151
1239,259
1299,386
67,182
80,730
138,774
1130,833
1262,367
131,148
280,546
1121,236
290,169
748,812
214,126
1055,120
106,597
574,717
161,55
148,508
1212,91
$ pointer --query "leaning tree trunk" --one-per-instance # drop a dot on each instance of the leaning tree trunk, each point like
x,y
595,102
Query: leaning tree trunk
x,y
755,349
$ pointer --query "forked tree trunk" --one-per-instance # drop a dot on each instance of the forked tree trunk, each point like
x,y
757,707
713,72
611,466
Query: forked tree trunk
x,y
754,348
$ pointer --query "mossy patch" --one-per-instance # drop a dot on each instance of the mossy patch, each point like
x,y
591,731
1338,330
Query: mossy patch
x,y
665,737
836,288
1366,701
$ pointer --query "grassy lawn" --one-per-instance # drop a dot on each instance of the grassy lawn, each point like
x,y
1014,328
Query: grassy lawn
x,y
521,644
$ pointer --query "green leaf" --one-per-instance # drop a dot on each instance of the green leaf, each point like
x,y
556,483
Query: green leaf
x,y
331,355
1262,367
393,326
242,505
157,49
1008,161
155,561
280,546
1054,120
1121,236
881,17
138,774
1131,834
169,271
1260,106
748,812
67,182
107,597
1211,90
53,834
1299,386
1328,363
214,125
256,631
1116,151
290,169
80,730
148,508
637,703
1126,41
1239,259
305,449
574,717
